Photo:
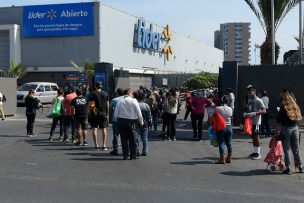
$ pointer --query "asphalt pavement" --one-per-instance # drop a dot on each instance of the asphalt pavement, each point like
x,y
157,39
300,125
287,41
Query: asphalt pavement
x,y
37,170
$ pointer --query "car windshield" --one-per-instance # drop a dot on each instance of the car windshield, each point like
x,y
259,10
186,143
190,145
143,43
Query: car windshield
x,y
27,87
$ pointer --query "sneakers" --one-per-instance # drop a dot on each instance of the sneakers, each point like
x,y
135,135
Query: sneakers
x,y
50,139
256,156
85,143
96,148
65,140
287,171
60,139
77,143
33,135
144,154
301,169
251,155
3,119
104,148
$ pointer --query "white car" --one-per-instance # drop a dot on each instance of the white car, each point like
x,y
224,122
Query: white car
x,y
44,91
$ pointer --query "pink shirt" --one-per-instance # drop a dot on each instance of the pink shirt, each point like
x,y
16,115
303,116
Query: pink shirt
x,y
199,104
68,108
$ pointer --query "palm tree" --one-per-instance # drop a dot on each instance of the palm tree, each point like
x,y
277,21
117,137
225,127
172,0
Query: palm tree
x,y
17,69
262,10
88,67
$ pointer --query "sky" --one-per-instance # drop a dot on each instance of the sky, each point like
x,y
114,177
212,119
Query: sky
x,y
197,18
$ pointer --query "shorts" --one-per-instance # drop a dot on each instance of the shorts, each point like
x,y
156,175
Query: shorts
x,y
101,121
255,129
81,123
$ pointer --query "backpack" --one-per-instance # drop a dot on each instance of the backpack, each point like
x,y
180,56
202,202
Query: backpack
x,y
151,101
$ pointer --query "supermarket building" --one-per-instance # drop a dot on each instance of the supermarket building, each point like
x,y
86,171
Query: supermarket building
x,y
47,37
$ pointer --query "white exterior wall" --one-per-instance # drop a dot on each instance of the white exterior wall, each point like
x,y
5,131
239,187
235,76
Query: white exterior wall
x,y
116,46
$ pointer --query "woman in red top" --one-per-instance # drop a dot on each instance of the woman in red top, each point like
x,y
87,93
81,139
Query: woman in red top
x,y
198,104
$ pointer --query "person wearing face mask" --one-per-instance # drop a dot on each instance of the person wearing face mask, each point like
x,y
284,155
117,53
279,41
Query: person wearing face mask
x,y
255,109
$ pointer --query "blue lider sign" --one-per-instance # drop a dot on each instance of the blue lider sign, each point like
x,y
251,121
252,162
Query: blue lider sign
x,y
76,19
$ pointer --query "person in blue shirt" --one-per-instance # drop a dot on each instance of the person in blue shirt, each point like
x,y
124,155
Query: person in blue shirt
x,y
114,102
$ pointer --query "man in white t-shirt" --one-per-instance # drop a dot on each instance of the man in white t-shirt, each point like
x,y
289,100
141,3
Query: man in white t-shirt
x,y
256,108
1,107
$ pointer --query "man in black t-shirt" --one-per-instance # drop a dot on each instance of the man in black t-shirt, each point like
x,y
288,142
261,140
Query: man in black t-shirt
x,y
81,111
99,111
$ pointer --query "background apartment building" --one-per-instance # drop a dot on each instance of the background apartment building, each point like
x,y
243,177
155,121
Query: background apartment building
x,y
234,40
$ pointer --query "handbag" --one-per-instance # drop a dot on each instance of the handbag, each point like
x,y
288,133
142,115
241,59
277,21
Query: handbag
x,y
56,110
248,126
219,123
212,137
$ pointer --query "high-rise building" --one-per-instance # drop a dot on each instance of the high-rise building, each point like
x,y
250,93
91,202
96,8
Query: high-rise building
x,y
234,40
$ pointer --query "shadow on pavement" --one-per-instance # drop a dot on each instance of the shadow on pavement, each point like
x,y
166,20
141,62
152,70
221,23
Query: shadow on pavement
x,y
256,172
196,161
12,136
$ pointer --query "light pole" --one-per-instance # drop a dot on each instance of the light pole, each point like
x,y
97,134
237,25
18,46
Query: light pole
x,y
300,32
272,32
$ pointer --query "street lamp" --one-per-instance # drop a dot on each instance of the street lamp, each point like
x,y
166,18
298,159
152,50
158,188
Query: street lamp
x,y
272,32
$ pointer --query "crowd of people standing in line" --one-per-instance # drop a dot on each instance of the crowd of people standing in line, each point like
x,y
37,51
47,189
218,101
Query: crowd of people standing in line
x,y
135,113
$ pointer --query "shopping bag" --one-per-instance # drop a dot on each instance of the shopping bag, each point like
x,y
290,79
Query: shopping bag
x,y
219,123
56,110
248,126
212,137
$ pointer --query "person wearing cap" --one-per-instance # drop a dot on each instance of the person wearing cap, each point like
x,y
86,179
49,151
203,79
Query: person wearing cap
x,y
256,108
68,112
81,112
99,112
114,102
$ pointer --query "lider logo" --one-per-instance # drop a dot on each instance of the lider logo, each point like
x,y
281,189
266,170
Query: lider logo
x,y
147,38
51,14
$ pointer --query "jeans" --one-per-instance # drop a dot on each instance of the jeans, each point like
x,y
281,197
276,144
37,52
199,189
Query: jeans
x,y
144,132
171,129
127,129
165,121
291,140
115,136
154,119
54,124
30,123
197,125
69,122
188,110
265,124
224,137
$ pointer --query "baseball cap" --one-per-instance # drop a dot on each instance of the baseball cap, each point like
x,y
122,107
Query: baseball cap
x,y
249,86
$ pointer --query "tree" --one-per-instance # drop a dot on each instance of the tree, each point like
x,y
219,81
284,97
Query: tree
x,y
17,69
88,67
202,80
262,10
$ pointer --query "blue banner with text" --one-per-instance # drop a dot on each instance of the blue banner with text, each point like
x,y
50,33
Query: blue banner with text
x,y
76,19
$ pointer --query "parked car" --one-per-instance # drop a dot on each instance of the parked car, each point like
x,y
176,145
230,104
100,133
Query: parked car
x,y
44,91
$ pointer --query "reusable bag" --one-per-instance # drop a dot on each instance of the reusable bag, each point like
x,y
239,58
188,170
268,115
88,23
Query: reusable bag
x,y
212,137
248,126
56,111
219,123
